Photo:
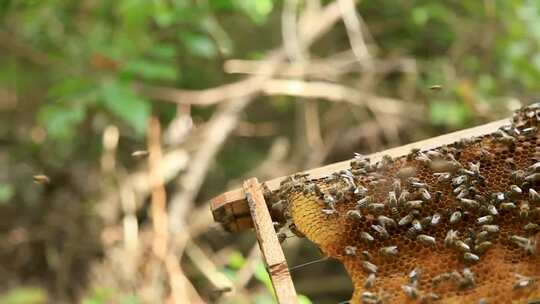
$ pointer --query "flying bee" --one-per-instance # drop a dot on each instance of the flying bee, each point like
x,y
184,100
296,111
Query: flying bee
x,y
369,267
41,179
140,154
435,87
386,221
350,250
388,251
366,237
381,231
455,217
426,239
370,281
470,257
354,214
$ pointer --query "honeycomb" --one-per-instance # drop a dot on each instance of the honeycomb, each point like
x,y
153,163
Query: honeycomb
x,y
456,224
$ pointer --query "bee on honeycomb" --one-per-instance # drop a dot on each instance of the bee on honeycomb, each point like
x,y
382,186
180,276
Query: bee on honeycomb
x,y
455,224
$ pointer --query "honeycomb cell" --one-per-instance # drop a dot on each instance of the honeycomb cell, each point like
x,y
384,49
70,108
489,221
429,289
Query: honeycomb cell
x,y
477,171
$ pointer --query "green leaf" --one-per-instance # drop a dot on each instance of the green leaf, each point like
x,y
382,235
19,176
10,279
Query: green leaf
x,y
24,295
236,260
151,70
262,276
449,113
119,98
60,121
199,45
302,299
258,10
6,193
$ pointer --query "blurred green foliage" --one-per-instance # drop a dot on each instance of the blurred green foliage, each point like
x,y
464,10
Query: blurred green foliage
x,y
74,65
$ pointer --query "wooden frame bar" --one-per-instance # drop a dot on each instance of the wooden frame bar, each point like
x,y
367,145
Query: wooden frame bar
x,y
269,243
231,208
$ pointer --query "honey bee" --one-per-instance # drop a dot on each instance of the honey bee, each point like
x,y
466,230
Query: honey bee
x,y
388,251
407,219
366,237
484,220
295,231
369,267
386,221
471,257
524,281
534,196
282,237
350,250
424,194
469,203
435,219
482,247
462,246
455,217
507,206
490,228
416,204
140,154
524,209
411,291
370,281
414,276
426,239
354,214
381,231
41,179
451,236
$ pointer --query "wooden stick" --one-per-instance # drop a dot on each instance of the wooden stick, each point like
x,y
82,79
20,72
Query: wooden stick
x,y
269,243
230,208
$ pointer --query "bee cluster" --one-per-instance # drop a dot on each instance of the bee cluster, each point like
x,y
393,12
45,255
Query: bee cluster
x,y
458,222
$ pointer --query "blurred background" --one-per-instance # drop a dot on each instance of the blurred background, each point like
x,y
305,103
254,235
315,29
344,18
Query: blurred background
x,y
119,120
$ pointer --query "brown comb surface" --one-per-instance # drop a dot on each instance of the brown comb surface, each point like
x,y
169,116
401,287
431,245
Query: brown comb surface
x,y
481,178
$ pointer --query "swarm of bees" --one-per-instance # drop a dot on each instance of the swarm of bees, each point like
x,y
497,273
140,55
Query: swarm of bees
x,y
456,224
